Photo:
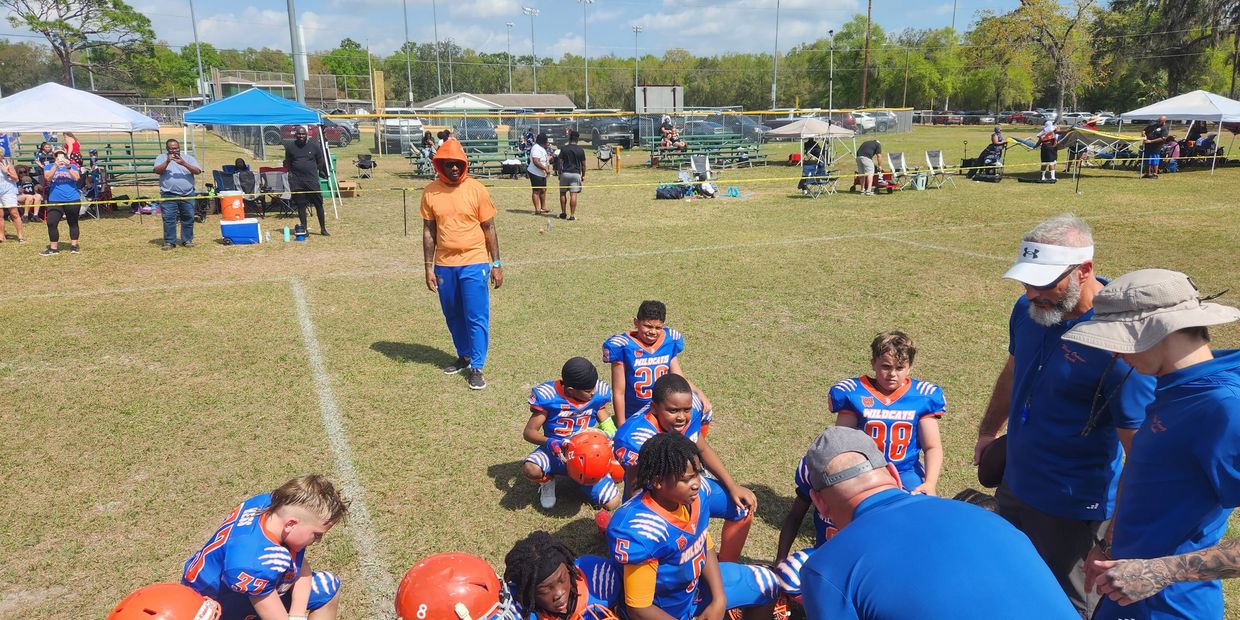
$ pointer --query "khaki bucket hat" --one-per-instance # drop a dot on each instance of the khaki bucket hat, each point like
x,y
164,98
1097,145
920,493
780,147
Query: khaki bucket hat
x,y
1137,310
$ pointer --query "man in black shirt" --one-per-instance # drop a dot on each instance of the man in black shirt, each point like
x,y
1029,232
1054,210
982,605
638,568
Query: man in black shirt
x,y
869,161
305,164
1155,137
572,173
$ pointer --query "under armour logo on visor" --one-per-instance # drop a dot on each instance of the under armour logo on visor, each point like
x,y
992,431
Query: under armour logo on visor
x,y
1029,253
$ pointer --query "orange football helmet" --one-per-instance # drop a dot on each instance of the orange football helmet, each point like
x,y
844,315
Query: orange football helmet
x,y
588,457
453,586
165,601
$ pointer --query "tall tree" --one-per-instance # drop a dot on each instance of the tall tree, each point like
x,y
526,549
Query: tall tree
x,y
1061,31
74,27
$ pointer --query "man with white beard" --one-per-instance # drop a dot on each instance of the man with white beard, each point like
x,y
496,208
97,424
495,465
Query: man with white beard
x,y
1068,407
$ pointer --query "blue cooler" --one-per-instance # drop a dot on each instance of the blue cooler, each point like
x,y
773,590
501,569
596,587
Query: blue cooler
x,y
242,232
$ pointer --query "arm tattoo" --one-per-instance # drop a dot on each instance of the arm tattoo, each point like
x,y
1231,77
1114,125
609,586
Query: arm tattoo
x,y
1140,579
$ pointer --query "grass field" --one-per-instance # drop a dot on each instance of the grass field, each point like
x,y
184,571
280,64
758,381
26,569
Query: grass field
x,y
143,394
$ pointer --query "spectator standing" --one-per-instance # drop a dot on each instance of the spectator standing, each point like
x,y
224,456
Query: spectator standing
x,y
176,172
882,529
572,173
1156,134
63,201
1048,154
1068,408
869,160
8,199
460,248
539,168
72,146
304,160
1182,478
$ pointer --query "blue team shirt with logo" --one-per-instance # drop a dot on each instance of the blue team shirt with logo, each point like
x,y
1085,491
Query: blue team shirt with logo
x,y
643,365
892,420
566,417
1050,465
241,562
1181,483
642,425
640,531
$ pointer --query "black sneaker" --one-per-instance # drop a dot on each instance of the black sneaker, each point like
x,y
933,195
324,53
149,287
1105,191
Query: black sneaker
x,y
73,249
167,246
459,366
187,244
48,251
476,382
573,218
563,216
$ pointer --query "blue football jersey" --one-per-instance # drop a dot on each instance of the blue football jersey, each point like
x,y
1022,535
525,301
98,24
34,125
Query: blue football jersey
x,y
824,529
643,365
643,425
891,419
566,417
641,531
598,590
240,561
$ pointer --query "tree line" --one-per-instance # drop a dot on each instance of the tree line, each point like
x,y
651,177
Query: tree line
x,y
1080,55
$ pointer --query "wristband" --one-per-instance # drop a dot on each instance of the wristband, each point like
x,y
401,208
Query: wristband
x,y
497,263
608,426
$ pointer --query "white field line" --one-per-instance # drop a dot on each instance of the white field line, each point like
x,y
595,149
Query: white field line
x,y
944,248
890,235
378,584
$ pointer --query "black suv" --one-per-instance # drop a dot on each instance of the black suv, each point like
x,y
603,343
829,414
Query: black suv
x,y
746,126
607,130
476,129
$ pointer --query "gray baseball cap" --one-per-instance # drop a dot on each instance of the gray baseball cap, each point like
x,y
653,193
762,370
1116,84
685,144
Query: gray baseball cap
x,y
839,440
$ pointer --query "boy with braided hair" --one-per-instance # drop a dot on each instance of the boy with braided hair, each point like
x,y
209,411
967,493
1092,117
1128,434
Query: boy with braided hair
x,y
549,581
660,537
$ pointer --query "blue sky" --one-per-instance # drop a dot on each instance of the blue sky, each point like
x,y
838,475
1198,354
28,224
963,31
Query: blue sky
x,y
701,26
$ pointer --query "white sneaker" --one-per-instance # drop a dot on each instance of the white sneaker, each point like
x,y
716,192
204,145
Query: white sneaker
x,y
546,494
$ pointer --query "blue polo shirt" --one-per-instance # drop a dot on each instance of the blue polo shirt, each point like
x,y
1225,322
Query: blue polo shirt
x,y
1050,466
917,556
1181,483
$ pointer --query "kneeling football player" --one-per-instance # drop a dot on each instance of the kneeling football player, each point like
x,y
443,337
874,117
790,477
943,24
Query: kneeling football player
x,y
549,581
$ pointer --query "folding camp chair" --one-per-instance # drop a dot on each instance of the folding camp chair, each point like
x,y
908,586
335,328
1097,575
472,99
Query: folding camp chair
x,y
603,154
817,180
365,165
248,184
223,182
938,169
699,166
899,170
274,185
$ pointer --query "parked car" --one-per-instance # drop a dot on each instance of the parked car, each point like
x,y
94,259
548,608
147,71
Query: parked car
x,y
885,120
349,125
607,130
746,126
865,123
921,117
701,128
947,117
475,129
1107,118
336,134
1005,116
1031,117
1048,114
1072,118
398,131
978,117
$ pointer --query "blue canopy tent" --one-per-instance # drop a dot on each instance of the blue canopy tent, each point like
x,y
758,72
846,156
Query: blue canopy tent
x,y
258,108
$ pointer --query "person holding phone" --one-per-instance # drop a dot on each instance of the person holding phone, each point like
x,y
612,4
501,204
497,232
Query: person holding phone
x,y
63,201
176,186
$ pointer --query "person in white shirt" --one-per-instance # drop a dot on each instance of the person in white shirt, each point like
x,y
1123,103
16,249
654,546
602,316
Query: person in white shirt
x,y
539,168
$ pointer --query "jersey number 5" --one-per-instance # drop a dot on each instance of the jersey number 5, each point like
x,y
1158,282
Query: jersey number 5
x,y
893,444
645,377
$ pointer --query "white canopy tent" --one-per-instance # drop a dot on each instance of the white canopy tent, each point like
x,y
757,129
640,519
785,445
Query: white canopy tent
x,y
53,107
1198,105
817,128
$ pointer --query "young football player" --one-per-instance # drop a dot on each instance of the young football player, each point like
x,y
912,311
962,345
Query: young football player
x,y
801,504
559,410
549,582
660,537
639,357
254,565
674,407
901,414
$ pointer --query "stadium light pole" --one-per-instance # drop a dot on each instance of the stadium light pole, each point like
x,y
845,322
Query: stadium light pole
x,y
775,57
532,12
831,78
408,63
299,77
509,25
585,42
197,49
637,55
435,30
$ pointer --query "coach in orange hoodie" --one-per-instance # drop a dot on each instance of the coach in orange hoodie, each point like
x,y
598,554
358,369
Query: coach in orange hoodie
x,y
461,250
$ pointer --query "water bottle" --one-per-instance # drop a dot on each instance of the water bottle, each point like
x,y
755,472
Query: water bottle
x,y
287,237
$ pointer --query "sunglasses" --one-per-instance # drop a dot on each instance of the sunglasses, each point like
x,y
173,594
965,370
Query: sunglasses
x,y
1053,284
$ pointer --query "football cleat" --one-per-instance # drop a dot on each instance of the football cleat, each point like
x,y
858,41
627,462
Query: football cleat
x,y
165,601
453,586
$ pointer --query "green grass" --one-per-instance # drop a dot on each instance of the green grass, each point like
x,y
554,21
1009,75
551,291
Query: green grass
x,y
144,393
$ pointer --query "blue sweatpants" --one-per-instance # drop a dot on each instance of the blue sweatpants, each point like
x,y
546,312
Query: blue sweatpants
x,y
466,304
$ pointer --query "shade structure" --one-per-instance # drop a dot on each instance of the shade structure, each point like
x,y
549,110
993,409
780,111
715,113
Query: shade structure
x,y
254,107
809,127
1198,105
53,107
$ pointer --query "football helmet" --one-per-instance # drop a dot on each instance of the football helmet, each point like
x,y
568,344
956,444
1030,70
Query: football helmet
x,y
165,601
588,457
453,586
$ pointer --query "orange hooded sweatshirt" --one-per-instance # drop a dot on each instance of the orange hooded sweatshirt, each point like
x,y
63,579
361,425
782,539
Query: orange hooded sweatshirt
x,y
458,211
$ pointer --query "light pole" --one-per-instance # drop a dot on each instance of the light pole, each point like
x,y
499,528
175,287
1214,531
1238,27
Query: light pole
x,y
637,57
532,12
831,78
299,76
509,25
775,77
585,42
408,64
197,48
435,26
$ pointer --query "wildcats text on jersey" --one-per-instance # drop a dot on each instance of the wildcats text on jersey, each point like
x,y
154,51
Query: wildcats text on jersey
x,y
889,414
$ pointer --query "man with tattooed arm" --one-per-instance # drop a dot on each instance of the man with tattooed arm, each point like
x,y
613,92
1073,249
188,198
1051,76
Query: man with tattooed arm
x,y
1162,557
